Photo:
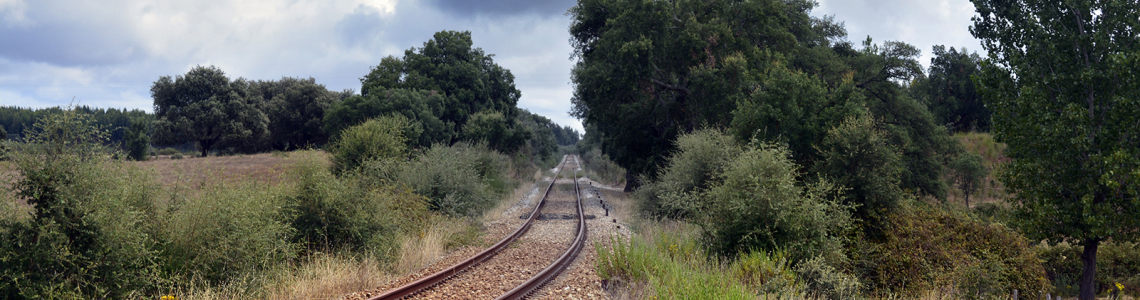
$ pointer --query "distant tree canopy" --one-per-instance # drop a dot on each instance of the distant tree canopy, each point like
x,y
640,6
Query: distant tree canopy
x,y
205,107
763,69
451,92
948,90
115,121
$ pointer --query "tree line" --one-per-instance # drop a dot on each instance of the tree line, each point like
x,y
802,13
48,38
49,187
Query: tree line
x,y
449,91
1058,86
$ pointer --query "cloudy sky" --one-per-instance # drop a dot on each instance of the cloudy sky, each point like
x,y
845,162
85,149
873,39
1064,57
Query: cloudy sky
x,y
108,53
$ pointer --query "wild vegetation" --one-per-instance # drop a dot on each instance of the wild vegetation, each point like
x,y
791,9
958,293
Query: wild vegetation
x,y
767,156
757,122
78,221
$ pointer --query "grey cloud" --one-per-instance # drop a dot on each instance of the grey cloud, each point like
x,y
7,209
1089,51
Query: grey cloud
x,y
55,35
504,7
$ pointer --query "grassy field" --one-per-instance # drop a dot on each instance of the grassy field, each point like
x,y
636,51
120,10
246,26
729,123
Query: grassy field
x,y
263,168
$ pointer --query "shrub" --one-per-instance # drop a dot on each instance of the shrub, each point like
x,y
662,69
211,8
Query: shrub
x,y
176,156
601,167
926,248
699,158
222,231
374,139
1116,262
459,180
168,151
672,264
766,272
824,280
756,204
137,140
82,240
857,156
333,213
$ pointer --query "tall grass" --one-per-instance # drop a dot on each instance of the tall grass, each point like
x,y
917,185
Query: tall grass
x,y
669,262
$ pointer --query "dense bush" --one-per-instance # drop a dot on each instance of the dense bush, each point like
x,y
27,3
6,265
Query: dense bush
x,y
757,204
223,231
459,180
926,248
1116,262
379,138
137,140
328,212
857,156
600,168
81,239
700,158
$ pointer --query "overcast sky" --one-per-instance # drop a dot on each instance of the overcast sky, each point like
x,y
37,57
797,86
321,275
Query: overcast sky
x,y
107,53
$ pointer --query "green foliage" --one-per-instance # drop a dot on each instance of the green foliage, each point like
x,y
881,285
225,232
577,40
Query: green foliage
x,y
138,140
81,240
205,107
757,204
645,77
543,136
422,107
459,180
765,69
673,265
375,139
492,128
16,119
700,159
224,231
296,108
1117,262
600,168
857,156
825,281
461,83
968,170
925,248
949,92
1068,117
330,212
766,272
168,151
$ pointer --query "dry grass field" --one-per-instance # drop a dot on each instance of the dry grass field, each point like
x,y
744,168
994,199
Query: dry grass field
x,y
265,168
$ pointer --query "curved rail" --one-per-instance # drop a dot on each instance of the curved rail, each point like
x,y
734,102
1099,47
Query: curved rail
x,y
562,263
433,279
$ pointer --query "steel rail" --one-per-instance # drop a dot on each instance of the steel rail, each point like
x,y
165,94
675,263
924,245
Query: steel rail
x,y
552,271
442,275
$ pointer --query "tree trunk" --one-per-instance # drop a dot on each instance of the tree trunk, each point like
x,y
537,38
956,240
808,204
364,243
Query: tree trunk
x,y
1088,275
631,182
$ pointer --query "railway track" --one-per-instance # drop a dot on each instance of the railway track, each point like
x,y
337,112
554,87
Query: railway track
x,y
511,259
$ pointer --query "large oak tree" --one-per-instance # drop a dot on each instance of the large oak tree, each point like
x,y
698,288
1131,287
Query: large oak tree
x,y
206,108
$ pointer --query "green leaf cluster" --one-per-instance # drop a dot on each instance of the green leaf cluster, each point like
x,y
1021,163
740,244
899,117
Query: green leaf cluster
x,y
764,69
1062,82
444,85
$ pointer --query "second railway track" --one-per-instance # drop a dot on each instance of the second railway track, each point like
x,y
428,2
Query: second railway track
x,y
518,264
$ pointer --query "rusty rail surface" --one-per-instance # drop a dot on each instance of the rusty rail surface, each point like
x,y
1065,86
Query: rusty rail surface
x,y
552,271
442,275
